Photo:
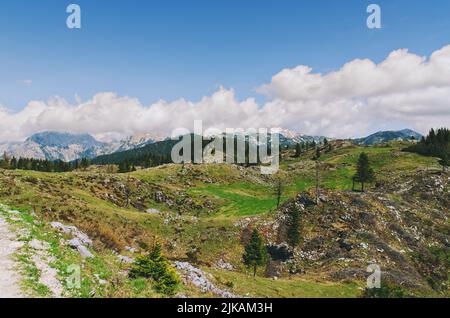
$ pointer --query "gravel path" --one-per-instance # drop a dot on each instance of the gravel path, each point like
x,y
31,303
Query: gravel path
x,y
9,279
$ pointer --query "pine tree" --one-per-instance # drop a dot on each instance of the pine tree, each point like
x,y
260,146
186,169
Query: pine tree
x,y
155,266
280,152
4,161
298,150
364,173
303,146
278,190
317,155
255,252
76,165
293,231
124,167
436,144
85,163
127,192
329,148
444,161
317,158
13,163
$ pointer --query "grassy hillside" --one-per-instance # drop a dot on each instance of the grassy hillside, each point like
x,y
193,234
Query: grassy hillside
x,y
200,213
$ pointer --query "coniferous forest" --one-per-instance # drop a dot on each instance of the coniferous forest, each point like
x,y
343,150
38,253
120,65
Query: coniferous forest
x,y
436,144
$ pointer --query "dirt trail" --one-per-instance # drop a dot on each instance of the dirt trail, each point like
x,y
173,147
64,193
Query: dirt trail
x,y
9,279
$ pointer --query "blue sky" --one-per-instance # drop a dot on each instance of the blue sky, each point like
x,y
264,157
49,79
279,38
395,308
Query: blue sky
x,y
178,48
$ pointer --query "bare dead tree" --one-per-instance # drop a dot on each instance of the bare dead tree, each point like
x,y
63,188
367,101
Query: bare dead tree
x,y
317,181
127,192
278,190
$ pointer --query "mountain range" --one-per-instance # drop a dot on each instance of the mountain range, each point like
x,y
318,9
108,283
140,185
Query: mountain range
x,y
68,147
385,136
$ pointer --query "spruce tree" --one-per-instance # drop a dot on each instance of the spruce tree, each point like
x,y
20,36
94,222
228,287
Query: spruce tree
x,y
85,163
155,266
298,150
436,144
317,159
278,190
255,252
444,161
293,231
364,173
13,163
317,155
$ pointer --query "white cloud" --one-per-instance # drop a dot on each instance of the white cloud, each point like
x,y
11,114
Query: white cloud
x,y
405,90
107,115
26,82
400,72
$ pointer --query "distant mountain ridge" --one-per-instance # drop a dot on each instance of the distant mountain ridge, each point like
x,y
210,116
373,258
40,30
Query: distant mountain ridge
x,y
58,139
386,136
286,137
136,141
56,146
68,147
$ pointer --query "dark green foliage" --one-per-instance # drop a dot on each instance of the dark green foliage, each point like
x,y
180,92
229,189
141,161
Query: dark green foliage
x,y
436,144
148,156
364,173
298,150
386,291
255,252
279,253
278,189
84,163
317,154
307,145
157,268
159,153
293,230
42,165
444,161
125,167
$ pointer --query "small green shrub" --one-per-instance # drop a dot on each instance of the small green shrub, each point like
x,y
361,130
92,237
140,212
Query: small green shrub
x,y
229,284
156,267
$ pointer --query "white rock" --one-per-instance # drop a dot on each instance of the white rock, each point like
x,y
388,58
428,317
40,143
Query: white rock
x,y
130,249
72,230
153,211
198,278
78,245
125,259
39,245
84,251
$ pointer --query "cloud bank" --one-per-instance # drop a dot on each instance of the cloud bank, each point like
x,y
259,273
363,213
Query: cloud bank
x,y
404,90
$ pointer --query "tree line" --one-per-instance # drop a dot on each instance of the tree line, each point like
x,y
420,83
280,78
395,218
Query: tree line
x,y
302,147
159,153
42,165
436,144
